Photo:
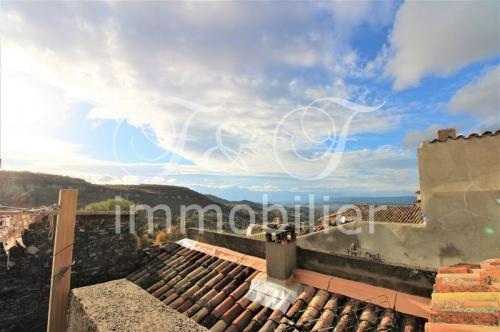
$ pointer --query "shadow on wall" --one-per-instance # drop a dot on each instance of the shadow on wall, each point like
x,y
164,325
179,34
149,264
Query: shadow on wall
x,y
459,235
460,188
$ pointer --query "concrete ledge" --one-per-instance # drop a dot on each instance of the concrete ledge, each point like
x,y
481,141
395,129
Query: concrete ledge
x,y
123,306
401,278
242,244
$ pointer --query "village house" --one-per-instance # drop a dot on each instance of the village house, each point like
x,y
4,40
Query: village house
x,y
459,191
426,274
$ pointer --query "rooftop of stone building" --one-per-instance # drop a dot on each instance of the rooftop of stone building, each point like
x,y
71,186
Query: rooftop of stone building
x,y
449,134
213,286
398,214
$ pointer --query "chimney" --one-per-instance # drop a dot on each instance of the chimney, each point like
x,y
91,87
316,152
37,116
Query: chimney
x,y
444,134
281,251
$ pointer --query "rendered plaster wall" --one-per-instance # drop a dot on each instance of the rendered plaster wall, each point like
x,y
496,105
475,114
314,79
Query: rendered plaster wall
x,y
460,188
99,255
402,278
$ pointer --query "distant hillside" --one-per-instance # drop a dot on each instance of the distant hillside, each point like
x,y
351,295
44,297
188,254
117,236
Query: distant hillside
x,y
228,203
25,189
337,202
397,200
218,199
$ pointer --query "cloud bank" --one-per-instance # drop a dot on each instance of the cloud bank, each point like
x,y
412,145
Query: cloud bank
x,y
208,82
441,38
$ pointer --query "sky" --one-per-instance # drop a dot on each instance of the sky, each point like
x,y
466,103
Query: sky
x,y
239,99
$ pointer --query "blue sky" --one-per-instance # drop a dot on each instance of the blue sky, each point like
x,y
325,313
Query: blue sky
x,y
240,99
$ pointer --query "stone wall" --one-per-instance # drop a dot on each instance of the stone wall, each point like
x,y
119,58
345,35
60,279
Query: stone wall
x,y
99,255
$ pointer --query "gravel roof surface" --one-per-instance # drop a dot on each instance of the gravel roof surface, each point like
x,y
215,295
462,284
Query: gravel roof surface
x,y
120,305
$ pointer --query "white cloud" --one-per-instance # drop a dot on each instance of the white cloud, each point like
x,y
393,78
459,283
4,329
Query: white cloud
x,y
433,37
480,98
413,138
156,66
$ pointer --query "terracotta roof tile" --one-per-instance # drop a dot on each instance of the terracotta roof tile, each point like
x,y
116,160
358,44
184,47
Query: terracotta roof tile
x,y
258,320
313,309
223,307
242,320
215,300
347,316
276,316
262,315
212,282
231,287
240,291
203,301
399,214
472,135
222,266
269,326
387,323
200,314
330,312
466,295
212,292
368,318
220,326
402,214
409,324
236,271
235,310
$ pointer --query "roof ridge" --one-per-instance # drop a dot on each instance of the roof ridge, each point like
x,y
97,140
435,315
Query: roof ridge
x,y
471,135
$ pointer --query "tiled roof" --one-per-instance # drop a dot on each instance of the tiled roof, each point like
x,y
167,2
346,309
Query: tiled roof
x,y
466,298
399,214
212,291
473,135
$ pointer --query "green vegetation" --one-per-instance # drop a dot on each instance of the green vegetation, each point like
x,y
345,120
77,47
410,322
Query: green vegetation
x,y
26,189
160,234
110,205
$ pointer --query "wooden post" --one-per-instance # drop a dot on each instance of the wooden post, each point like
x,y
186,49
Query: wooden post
x,y
62,261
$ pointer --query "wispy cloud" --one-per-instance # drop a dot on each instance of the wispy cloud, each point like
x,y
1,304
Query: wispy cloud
x,y
198,76
480,98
